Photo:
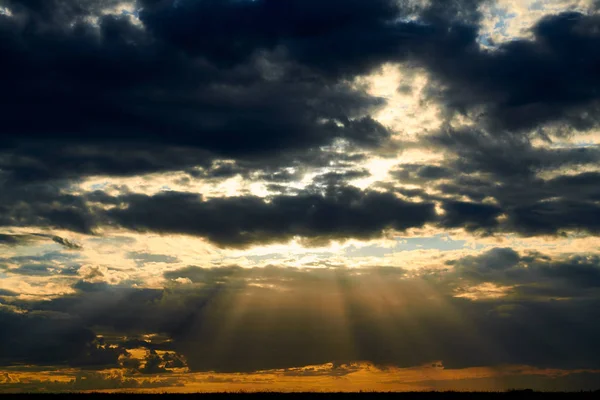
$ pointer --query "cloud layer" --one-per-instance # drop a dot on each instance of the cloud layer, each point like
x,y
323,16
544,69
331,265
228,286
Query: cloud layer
x,y
234,186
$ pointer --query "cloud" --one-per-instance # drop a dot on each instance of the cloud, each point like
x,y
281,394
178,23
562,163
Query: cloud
x,y
50,339
207,275
42,270
530,276
552,216
153,364
178,102
154,99
32,270
236,319
492,260
245,123
241,221
506,158
66,243
471,216
21,239
12,240
419,173
8,293
150,100
45,265
42,206
512,185
142,258
526,83
87,381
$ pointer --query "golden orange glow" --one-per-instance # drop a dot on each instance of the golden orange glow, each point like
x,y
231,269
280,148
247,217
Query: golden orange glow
x,y
321,378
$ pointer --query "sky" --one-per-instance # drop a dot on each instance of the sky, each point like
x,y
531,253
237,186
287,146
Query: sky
x,y
299,195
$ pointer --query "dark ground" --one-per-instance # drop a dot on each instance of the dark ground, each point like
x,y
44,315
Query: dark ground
x,y
517,394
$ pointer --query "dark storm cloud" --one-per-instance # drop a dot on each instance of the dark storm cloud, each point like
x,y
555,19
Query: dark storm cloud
x,y
240,79
331,179
506,158
45,206
471,216
238,319
229,32
153,364
532,276
329,210
340,213
199,79
326,211
120,83
552,78
51,339
529,208
551,217
57,11
32,163
501,176
393,339
318,214
497,259
419,173
265,85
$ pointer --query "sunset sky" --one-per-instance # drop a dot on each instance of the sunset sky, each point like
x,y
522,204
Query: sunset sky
x,y
331,195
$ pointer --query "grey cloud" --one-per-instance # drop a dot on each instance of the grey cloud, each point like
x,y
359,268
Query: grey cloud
x,y
508,157
66,243
86,381
44,206
32,270
12,240
504,171
240,221
20,239
471,216
142,258
526,83
50,339
271,84
532,275
184,108
7,293
238,319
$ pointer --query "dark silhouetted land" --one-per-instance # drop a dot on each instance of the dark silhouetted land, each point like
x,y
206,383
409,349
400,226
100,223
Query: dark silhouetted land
x,y
513,394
